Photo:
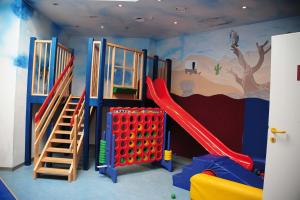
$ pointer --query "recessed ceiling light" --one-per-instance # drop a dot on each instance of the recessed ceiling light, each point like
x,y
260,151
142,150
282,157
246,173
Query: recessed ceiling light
x,y
140,19
175,22
244,7
102,27
55,4
120,5
159,0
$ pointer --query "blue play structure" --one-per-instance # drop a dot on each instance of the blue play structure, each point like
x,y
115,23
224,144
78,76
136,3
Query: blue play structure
x,y
115,76
222,167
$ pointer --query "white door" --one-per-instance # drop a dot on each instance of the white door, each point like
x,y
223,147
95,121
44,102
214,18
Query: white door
x,y
282,174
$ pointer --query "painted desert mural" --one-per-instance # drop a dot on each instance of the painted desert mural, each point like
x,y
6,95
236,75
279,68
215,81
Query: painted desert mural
x,y
234,62
246,75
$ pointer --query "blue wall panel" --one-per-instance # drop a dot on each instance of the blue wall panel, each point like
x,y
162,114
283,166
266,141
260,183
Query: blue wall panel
x,y
256,130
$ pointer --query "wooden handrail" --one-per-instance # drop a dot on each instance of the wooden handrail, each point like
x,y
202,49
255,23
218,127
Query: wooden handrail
x,y
43,41
161,60
45,120
42,109
150,57
124,48
63,47
78,106
42,125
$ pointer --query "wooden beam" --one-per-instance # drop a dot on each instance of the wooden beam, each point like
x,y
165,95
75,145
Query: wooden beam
x,y
123,47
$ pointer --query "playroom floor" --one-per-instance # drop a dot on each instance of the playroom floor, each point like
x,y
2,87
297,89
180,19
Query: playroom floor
x,y
138,182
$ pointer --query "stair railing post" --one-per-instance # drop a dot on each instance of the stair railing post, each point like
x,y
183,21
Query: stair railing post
x,y
75,133
36,146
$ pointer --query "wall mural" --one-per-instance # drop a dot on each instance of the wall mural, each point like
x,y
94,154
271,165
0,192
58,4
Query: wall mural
x,y
18,17
234,62
246,80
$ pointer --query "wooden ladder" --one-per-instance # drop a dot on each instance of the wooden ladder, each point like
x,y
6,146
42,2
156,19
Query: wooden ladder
x,y
59,157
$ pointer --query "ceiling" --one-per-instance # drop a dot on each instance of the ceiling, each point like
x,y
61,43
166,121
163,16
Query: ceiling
x,y
160,19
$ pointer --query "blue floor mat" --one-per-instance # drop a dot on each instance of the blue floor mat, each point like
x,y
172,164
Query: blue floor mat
x,y
5,192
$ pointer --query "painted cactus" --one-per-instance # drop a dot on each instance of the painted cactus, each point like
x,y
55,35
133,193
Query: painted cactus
x,y
218,69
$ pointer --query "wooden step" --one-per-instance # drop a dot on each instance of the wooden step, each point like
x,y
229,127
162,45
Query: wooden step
x,y
57,160
64,124
65,141
53,171
67,116
62,132
80,133
69,110
72,103
58,150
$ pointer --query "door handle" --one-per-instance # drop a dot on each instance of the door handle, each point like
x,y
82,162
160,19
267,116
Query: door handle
x,y
276,131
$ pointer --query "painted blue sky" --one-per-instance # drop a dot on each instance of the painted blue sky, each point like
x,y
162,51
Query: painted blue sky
x,y
216,44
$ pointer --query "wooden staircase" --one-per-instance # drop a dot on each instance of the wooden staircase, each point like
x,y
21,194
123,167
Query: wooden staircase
x,y
61,152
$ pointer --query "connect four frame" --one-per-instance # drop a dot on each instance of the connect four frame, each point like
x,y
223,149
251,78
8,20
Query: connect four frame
x,y
135,136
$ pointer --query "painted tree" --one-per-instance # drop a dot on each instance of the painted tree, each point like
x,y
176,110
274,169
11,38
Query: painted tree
x,y
247,80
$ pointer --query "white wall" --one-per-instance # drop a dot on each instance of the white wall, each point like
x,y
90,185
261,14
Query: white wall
x,y
9,47
17,26
41,28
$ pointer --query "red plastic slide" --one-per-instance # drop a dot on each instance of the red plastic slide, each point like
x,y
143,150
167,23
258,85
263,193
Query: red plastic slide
x,y
158,92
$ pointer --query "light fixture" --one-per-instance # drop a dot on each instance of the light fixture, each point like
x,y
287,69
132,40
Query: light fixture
x,y
244,7
175,22
120,5
102,27
140,19
159,0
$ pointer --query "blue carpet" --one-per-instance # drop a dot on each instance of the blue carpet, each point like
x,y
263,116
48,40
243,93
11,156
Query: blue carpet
x,y
137,182
5,193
